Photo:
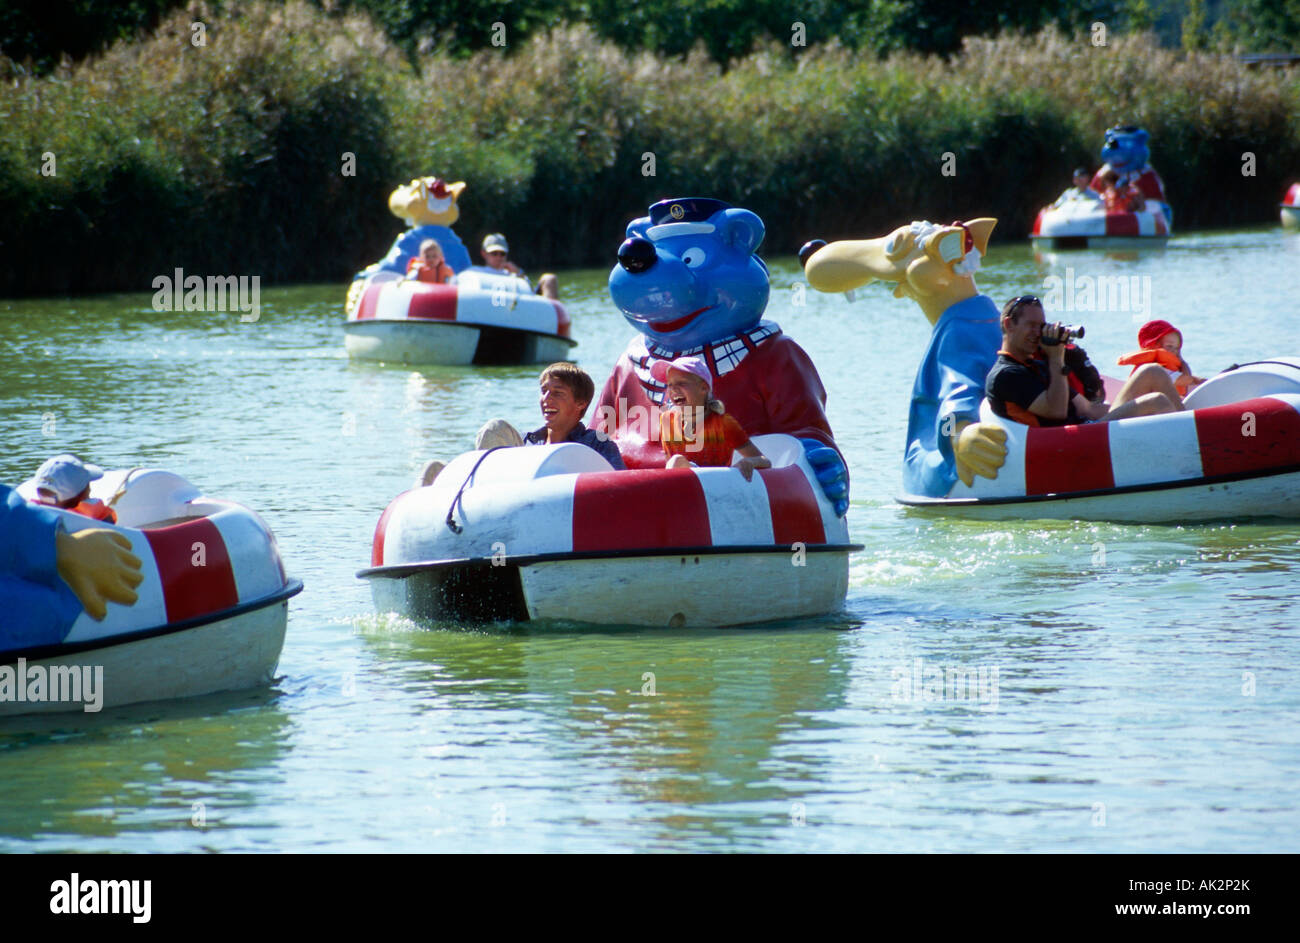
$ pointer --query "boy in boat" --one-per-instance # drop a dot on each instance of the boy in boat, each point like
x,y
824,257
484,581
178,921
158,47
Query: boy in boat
x,y
430,265
1162,344
1028,382
495,250
64,482
696,426
566,392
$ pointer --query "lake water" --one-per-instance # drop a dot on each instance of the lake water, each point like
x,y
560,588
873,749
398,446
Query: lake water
x,y
1141,685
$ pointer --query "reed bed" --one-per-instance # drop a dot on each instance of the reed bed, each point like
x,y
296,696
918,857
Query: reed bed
x,y
229,157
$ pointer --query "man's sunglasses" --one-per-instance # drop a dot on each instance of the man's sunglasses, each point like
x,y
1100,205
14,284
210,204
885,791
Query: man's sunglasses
x,y
1019,301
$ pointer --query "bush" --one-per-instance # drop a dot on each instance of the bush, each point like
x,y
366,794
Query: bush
x,y
227,158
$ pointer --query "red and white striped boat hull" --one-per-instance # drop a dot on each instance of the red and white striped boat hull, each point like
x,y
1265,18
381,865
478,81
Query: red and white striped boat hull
x,y
550,532
1234,454
1086,225
1289,208
478,320
212,607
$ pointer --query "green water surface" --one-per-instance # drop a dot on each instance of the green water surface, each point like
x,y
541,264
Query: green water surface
x,y
1147,695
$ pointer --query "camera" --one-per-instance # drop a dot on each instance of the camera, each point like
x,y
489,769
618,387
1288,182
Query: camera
x,y
1069,333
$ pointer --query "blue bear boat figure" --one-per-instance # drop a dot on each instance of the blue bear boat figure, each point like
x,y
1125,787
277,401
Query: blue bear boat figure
x,y
689,281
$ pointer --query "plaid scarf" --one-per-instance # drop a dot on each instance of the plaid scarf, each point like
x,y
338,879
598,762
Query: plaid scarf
x,y
722,356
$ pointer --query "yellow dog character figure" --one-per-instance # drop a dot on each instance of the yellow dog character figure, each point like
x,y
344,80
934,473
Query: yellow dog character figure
x,y
934,265
426,201
429,207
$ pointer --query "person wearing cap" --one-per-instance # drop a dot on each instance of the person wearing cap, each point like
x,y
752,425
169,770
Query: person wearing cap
x,y
64,482
697,430
495,251
1029,381
1162,344
1080,191
48,575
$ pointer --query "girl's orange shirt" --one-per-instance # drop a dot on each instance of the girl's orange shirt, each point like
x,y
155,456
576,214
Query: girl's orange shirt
x,y
711,445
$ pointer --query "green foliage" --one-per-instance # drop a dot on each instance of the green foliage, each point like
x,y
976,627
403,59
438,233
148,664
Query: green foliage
x,y
1194,32
39,33
228,158
42,32
1265,25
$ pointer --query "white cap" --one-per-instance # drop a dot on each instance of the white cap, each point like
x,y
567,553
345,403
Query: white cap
x,y
66,476
495,242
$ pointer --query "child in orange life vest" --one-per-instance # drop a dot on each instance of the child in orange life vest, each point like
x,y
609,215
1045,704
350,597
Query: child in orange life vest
x,y
64,482
430,265
1162,343
696,427
1121,199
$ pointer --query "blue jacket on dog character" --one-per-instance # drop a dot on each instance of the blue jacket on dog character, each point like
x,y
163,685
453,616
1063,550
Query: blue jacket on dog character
x,y
688,280
947,392
38,606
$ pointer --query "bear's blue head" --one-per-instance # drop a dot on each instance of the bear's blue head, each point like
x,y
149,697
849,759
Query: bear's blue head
x,y
1126,149
687,274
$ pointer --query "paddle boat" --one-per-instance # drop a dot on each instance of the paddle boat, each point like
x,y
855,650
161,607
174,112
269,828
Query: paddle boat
x,y
482,316
480,319
1086,224
1289,208
552,532
1233,454
1080,219
211,611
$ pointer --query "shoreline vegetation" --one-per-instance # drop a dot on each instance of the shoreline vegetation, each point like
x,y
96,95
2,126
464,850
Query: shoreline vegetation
x,y
233,156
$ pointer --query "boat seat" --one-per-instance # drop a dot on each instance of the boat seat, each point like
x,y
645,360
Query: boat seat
x,y
146,496
1278,376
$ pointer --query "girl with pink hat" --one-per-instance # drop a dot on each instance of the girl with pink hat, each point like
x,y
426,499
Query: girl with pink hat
x,y
696,430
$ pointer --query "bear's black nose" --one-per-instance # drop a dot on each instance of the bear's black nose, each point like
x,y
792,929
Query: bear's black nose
x,y
808,249
637,254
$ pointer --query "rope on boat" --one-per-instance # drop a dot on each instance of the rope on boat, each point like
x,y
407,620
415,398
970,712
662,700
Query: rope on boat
x,y
451,520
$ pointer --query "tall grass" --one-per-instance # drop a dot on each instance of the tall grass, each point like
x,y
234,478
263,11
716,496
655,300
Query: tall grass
x,y
227,158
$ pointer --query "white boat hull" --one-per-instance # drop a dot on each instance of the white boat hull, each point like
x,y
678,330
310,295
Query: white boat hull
x,y
481,319
1056,243
449,344
1275,496
230,654
674,591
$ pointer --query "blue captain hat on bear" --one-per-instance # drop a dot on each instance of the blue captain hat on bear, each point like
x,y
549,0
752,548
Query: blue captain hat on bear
x,y
687,274
693,209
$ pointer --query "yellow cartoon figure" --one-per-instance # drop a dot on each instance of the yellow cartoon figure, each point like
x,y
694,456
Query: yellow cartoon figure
x,y
426,201
934,265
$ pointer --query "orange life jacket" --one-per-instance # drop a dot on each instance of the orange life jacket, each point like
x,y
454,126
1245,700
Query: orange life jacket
x,y
438,276
95,509
1163,357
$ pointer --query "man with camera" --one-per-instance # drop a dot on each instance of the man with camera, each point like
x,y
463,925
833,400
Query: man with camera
x,y
1030,382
